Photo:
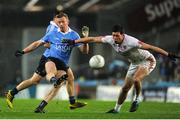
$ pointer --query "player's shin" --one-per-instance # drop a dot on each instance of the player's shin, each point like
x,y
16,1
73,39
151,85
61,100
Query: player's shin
x,y
122,95
41,106
138,88
121,99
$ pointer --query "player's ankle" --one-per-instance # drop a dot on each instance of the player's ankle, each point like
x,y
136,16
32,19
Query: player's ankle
x,y
14,91
72,100
42,104
117,107
137,99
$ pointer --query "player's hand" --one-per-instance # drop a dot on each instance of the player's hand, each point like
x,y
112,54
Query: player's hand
x,y
19,53
85,31
173,56
68,41
47,45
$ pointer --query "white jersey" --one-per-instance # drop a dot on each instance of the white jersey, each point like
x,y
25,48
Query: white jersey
x,y
130,48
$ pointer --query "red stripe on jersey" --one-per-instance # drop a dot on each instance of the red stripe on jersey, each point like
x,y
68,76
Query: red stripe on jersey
x,y
140,42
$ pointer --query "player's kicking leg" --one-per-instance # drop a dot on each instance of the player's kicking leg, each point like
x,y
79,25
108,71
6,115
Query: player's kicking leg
x,y
52,93
25,84
48,97
9,98
70,89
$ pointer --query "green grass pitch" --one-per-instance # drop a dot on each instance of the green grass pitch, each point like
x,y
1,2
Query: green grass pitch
x,y
23,109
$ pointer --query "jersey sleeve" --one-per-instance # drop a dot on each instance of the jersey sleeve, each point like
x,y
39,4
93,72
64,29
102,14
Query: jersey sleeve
x,y
45,38
107,39
50,28
135,42
76,37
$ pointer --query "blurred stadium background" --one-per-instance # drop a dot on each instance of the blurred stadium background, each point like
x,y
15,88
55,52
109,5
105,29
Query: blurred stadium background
x,y
153,21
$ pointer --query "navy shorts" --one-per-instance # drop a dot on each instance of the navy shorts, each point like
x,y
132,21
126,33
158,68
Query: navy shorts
x,y
40,70
60,65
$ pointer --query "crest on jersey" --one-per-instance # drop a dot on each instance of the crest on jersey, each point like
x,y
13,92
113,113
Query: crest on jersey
x,y
124,47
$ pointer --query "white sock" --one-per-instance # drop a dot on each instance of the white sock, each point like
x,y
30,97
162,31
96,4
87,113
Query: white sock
x,y
117,107
137,99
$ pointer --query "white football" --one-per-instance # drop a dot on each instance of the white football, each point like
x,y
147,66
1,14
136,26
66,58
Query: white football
x,y
96,61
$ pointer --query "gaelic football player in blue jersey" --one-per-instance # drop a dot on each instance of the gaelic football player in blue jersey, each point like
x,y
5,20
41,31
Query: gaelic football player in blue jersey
x,y
60,20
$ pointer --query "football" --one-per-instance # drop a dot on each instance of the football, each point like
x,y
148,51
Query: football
x,y
96,61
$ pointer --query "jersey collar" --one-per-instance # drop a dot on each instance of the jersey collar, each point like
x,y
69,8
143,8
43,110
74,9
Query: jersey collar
x,y
53,23
69,30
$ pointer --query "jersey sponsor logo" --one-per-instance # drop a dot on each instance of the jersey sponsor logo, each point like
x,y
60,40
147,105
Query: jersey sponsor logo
x,y
140,42
164,8
63,47
122,48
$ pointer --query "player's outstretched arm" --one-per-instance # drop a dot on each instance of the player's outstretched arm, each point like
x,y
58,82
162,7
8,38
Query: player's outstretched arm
x,y
83,40
29,48
172,56
33,46
89,40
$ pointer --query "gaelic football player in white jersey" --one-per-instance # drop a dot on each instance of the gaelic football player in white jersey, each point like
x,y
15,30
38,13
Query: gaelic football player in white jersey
x,y
142,61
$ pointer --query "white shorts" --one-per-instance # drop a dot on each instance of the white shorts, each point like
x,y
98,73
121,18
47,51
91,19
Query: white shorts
x,y
149,63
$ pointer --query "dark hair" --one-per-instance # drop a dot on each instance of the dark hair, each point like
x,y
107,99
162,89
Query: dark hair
x,y
61,14
56,12
118,28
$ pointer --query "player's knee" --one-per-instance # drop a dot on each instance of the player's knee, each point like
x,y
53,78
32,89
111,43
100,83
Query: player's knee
x,y
64,77
50,75
136,79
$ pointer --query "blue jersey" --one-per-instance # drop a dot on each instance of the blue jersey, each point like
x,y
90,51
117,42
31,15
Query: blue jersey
x,y
58,49
51,27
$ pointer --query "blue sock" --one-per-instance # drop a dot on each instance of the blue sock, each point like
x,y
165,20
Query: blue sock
x,y
14,91
42,104
72,99
53,80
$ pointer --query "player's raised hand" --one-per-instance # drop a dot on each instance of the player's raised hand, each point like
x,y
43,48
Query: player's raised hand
x,y
18,53
85,31
173,56
68,41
